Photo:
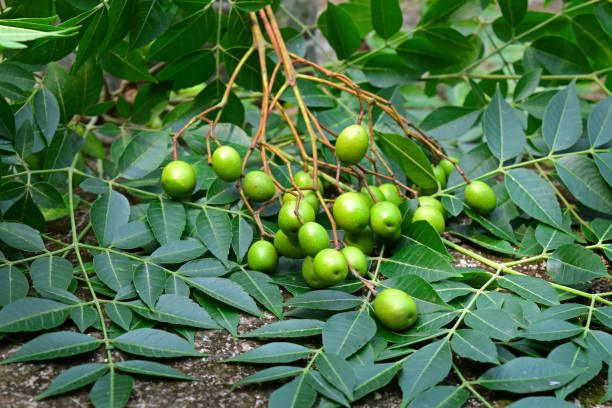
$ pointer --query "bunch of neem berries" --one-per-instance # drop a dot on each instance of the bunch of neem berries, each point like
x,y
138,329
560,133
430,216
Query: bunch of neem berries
x,y
367,217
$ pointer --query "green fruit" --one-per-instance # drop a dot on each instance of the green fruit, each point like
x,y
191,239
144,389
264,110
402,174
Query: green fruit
x,y
313,238
262,256
440,175
480,197
425,201
307,195
304,180
385,219
395,309
352,144
356,258
432,216
309,276
288,246
227,163
351,211
330,266
289,222
447,165
363,240
391,193
178,179
373,191
258,186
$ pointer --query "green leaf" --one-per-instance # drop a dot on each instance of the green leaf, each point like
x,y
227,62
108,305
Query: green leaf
x,y
295,394
582,178
425,368
524,375
323,387
495,323
600,123
92,38
260,286
251,5
534,196
564,311
145,153
345,333
337,371
573,356
562,125
119,22
7,119
551,238
513,10
418,260
54,345
149,281
226,291
423,233
270,374
559,56
441,11
287,328
242,237
272,353
591,38
527,83
372,377
154,343
441,396
225,316
572,263
178,251
206,267
499,229
475,345
150,18
418,288
143,367
13,285
531,288
552,329
183,37
51,272
32,314
111,391
126,64
541,402
107,213
46,196
341,32
113,269
453,205
21,236
502,129
167,220
215,230
446,122
132,235
386,17
600,343
325,300
178,309
410,158
384,70
46,113
119,314
74,378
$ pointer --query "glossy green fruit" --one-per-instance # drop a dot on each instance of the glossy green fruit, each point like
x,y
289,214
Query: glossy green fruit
x,y
373,191
351,211
258,186
227,163
307,195
309,276
480,197
432,216
262,256
447,165
352,144
385,219
391,193
288,220
313,237
440,175
395,309
288,246
363,240
356,258
304,180
178,179
329,266
431,202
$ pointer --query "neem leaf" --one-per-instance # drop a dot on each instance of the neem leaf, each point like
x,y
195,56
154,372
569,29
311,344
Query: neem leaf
x,y
107,214
574,264
295,394
441,396
149,281
541,402
600,123
531,288
496,323
475,345
112,390
54,345
178,251
502,129
21,236
270,374
74,378
13,284
374,376
386,17
562,125
215,230
425,368
51,272
260,286
337,371
32,314
154,343
325,300
345,333
288,328
226,291
272,353
583,180
410,158
114,270
341,31
167,220
418,260
151,368
552,329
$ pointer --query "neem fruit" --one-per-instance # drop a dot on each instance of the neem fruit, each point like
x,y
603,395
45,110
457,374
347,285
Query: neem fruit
x,y
432,216
385,219
395,309
352,144
178,179
391,193
480,197
262,256
351,211
288,246
363,240
330,267
356,258
258,186
227,163
288,220
313,237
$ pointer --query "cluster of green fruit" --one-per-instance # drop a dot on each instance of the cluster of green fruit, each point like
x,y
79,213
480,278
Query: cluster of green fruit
x,y
367,217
